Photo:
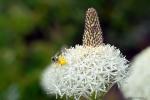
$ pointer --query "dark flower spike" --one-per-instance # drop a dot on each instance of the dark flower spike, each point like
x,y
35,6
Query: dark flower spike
x,y
92,32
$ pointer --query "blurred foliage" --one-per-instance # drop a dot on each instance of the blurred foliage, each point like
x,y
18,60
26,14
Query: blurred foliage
x,y
31,31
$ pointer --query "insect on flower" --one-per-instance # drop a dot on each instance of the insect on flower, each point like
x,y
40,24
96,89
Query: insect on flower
x,y
58,58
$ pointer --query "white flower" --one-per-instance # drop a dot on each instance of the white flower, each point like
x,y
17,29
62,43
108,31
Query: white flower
x,y
137,85
88,70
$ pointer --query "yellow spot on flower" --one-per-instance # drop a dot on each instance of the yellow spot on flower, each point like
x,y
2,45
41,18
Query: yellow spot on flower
x,y
62,60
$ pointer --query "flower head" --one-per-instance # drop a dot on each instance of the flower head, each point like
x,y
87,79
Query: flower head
x,y
90,68
138,82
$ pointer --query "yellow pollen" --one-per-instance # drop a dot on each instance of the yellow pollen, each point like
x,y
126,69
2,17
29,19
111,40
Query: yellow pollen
x,y
62,60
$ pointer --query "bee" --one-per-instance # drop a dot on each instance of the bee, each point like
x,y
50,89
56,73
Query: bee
x,y
58,58
55,57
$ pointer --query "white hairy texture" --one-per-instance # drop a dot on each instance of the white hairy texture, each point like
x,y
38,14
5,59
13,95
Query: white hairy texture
x,y
88,70
137,85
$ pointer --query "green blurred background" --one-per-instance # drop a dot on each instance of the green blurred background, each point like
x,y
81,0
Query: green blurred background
x,y
31,31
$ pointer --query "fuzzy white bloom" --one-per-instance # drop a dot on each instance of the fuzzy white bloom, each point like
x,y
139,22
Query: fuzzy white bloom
x,y
88,70
137,85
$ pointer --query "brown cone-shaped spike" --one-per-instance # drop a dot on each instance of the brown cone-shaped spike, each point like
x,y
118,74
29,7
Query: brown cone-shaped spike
x,y
92,32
